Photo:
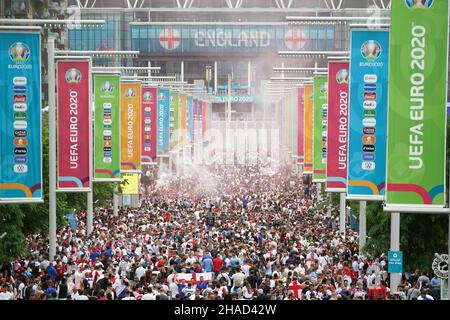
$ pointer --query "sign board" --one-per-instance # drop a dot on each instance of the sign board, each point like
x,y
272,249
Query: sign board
x,y
225,38
395,261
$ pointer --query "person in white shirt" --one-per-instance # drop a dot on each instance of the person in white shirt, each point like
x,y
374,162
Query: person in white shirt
x,y
140,271
173,290
189,290
246,268
149,295
79,295
238,279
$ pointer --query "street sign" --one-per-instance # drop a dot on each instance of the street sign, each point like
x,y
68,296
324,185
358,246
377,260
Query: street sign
x,y
395,261
440,265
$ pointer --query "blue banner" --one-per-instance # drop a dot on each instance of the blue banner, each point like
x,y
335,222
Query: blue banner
x,y
20,120
190,119
369,65
163,121
230,38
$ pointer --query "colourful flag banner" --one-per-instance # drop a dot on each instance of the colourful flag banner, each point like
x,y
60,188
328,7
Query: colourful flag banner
x,y
337,136
294,123
183,121
320,128
20,120
74,125
417,119
148,125
300,125
309,95
107,127
174,103
163,121
190,120
369,65
130,132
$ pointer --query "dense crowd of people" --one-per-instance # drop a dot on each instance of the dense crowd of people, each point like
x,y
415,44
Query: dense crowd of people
x,y
237,232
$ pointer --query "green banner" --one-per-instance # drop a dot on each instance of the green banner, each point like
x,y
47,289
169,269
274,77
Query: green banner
x,y
174,103
107,127
417,121
320,128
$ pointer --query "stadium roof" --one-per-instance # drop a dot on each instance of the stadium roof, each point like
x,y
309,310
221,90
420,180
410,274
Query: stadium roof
x,y
281,5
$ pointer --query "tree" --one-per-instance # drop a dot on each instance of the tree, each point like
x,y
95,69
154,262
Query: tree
x,y
19,220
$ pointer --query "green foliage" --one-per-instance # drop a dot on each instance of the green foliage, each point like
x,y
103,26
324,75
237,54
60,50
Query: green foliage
x,y
11,244
421,236
20,220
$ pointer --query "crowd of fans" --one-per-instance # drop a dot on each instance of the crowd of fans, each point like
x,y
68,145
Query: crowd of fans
x,y
239,232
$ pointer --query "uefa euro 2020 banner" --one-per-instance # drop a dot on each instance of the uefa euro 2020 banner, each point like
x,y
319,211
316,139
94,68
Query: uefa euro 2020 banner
x,y
174,101
309,95
74,125
369,65
320,128
20,117
148,125
300,125
107,127
294,123
130,123
163,121
337,136
416,166
183,123
190,119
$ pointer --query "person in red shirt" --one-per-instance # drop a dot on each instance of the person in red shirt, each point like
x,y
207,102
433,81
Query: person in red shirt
x,y
217,264
378,292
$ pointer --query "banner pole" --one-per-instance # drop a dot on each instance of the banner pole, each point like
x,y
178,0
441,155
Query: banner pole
x,y
90,212
448,262
395,246
116,201
342,213
362,225
51,148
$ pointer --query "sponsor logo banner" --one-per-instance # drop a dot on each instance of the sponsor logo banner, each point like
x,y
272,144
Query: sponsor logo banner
x,y
148,124
300,125
130,126
107,126
173,133
337,136
309,94
368,114
163,121
320,128
73,83
20,120
416,162
183,119
190,119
